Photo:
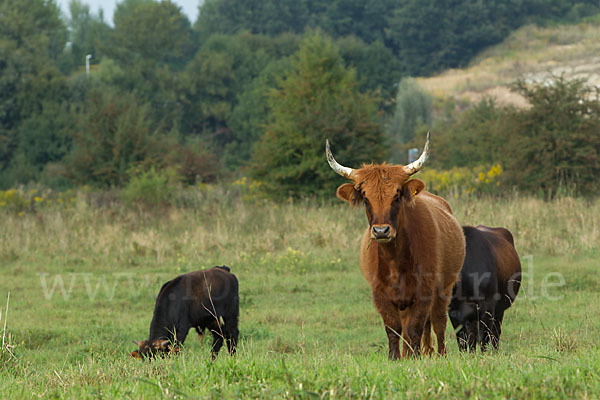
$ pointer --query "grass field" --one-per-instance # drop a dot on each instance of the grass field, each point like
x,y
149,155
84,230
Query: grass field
x,y
308,327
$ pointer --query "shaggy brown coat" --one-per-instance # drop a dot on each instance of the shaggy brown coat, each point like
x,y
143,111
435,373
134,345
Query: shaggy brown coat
x,y
413,268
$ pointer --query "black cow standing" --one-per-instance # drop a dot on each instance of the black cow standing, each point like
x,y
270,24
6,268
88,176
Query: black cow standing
x,y
206,299
489,282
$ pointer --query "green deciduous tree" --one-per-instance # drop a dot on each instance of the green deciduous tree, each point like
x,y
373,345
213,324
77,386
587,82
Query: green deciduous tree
x,y
270,17
218,77
317,99
365,19
113,134
151,32
477,136
430,35
249,118
556,142
412,109
32,38
377,68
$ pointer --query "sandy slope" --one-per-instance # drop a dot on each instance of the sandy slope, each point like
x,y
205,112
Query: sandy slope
x,y
531,53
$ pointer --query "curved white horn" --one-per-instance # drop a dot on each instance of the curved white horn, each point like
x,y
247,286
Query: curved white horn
x,y
340,169
415,166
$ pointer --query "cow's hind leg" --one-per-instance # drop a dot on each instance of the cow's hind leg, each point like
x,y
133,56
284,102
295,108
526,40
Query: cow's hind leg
x,y
439,318
217,344
231,332
217,334
498,317
200,330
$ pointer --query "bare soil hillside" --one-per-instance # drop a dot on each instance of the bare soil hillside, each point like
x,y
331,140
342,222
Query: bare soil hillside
x,y
531,53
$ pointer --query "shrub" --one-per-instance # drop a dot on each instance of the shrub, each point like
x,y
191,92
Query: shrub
x,y
462,180
549,148
21,200
152,188
114,133
555,144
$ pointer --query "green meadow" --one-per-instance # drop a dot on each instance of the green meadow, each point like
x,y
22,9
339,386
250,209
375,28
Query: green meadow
x,y
83,279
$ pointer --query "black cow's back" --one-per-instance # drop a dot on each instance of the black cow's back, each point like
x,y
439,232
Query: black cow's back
x,y
478,278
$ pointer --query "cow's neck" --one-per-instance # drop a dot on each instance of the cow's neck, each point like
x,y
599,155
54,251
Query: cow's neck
x,y
160,327
395,257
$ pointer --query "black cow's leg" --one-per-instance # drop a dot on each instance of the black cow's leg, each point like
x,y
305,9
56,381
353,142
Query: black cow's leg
x,y
460,330
472,328
462,337
499,315
217,343
181,334
487,326
231,332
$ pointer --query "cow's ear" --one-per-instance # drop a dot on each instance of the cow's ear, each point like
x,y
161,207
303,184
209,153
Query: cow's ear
x,y
348,193
412,188
163,344
135,354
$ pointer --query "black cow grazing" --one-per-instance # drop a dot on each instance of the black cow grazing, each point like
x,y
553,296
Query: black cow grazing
x,y
489,282
198,299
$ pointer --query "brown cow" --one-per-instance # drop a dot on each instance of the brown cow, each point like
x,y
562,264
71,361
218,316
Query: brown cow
x,y
411,254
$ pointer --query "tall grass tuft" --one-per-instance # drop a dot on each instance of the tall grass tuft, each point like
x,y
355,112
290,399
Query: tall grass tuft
x,y
6,347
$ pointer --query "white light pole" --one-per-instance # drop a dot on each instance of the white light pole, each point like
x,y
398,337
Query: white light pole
x,y
413,154
87,64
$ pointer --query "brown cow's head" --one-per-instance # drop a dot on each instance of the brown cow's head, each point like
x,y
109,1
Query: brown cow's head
x,y
149,349
383,189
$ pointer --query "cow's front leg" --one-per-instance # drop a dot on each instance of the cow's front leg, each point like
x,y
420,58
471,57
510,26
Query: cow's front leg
x,y
413,322
487,325
393,324
427,346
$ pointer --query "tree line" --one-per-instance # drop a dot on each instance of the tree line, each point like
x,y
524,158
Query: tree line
x,y
251,87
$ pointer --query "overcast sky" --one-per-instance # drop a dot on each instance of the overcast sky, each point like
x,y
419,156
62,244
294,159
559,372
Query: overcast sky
x,y
189,7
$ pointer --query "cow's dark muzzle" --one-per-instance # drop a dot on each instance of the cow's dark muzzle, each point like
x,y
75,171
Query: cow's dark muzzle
x,y
381,232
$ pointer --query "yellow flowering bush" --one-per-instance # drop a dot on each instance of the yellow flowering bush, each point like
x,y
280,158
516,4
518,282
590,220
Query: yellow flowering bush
x,y
458,181
20,200
249,188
